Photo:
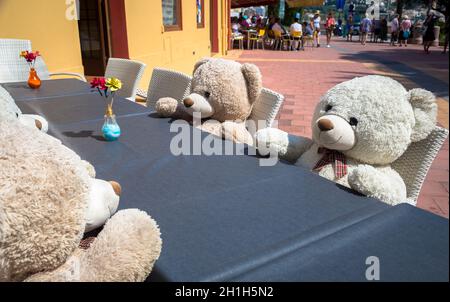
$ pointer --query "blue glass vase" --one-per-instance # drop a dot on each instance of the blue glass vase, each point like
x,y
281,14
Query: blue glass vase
x,y
110,130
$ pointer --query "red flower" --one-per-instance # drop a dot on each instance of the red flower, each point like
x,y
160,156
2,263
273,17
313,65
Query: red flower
x,y
99,83
30,57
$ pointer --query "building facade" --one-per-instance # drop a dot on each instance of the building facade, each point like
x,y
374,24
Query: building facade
x,y
80,35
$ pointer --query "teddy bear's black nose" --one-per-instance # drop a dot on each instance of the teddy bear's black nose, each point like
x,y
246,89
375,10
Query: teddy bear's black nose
x,y
188,102
325,125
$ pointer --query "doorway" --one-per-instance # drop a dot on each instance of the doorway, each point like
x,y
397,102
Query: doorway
x,y
94,38
214,23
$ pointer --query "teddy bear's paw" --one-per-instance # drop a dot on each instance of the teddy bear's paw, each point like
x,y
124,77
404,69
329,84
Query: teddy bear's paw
x,y
272,141
363,180
387,186
125,250
237,133
166,107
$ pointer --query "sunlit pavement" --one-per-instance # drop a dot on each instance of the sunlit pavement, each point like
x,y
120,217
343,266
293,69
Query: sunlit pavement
x,y
302,77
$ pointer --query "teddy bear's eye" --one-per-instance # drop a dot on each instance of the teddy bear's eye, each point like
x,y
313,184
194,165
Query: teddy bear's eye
x,y
207,94
353,121
328,108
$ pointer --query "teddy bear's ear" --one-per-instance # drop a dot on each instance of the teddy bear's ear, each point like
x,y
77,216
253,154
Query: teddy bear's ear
x,y
425,112
200,63
252,75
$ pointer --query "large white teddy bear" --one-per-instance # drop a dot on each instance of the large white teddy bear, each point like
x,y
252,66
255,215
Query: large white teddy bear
x,y
359,128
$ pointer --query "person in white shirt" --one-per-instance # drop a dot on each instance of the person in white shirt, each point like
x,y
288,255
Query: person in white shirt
x,y
316,22
277,27
296,27
394,30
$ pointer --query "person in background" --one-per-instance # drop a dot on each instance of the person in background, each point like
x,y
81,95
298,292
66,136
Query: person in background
x,y
277,27
446,32
330,25
394,30
338,31
235,26
296,27
316,22
405,31
366,25
350,28
244,23
309,29
351,8
429,36
376,28
383,29
259,24
254,21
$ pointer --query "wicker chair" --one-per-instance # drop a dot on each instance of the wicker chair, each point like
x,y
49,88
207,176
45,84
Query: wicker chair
x,y
266,108
129,72
15,69
414,165
166,83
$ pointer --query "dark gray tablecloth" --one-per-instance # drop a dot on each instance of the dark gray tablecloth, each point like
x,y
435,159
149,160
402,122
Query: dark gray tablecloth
x,y
49,89
226,218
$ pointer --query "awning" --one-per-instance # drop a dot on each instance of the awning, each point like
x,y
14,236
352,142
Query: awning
x,y
303,3
248,3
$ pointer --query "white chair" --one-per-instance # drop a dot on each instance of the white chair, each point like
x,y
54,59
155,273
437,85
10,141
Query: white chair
x,y
13,68
237,37
129,72
415,163
266,108
167,83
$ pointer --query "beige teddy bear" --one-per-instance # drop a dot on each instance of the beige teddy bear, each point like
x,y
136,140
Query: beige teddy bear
x,y
48,199
360,127
223,92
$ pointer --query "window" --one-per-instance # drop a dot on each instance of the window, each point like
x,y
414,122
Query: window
x,y
172,15
200,13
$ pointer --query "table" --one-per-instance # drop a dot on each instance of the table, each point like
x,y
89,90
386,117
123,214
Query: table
x,y
51,89
225,218
249,32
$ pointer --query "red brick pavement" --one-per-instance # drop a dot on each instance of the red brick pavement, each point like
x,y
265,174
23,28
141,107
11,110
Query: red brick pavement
x,y
302,77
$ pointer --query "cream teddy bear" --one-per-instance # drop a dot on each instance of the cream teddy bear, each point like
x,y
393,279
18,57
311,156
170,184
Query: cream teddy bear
x,y
223,92
9,110
47,202
360,127
104,196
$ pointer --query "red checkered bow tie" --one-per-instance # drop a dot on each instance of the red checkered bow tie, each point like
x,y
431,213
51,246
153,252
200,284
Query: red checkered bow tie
x,y
332,157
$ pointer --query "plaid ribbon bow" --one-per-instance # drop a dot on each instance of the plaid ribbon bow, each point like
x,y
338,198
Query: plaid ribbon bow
x,y
332,157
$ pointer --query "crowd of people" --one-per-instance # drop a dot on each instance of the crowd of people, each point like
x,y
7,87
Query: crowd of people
x,y
297,31
368,29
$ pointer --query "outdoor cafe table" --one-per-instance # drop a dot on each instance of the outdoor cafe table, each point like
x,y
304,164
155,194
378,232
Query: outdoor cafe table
x,y
248,33
226,218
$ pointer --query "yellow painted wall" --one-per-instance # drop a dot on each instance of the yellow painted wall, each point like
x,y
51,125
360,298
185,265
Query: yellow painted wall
x,y
177,50
44,23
